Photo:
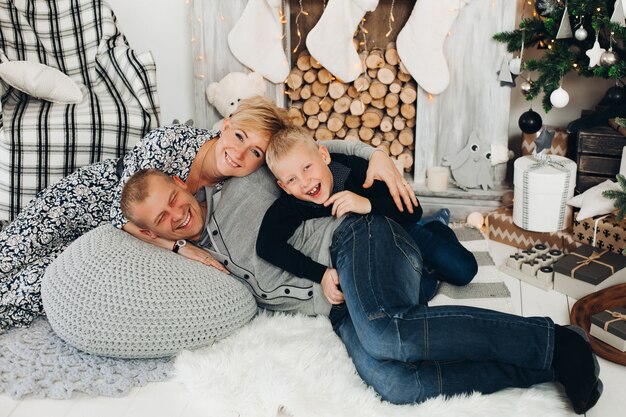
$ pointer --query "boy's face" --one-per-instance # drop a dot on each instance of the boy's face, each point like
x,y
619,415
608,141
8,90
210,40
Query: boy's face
x,y
239,152
170,210
303,172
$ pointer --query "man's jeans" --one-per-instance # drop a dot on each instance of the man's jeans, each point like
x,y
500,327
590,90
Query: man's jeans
x,y
409,352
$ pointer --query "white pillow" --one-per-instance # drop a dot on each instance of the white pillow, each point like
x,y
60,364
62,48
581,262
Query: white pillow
x,y
40,81
592,202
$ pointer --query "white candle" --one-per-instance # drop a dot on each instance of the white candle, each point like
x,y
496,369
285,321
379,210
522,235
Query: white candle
x,y
437,178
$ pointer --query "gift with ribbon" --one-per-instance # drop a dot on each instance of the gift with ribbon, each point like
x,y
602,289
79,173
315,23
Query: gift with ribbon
x,y
588,270
610,327
602,232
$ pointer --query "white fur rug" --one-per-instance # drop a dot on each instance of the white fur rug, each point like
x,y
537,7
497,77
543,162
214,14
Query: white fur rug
x,y
296,365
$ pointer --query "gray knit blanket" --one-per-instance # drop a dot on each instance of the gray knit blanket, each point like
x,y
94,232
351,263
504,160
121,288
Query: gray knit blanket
x,y
36,361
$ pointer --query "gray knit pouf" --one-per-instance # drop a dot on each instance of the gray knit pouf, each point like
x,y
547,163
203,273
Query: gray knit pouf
x,y
111,294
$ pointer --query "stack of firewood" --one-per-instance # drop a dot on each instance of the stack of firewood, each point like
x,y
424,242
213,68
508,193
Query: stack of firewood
x,y
377,108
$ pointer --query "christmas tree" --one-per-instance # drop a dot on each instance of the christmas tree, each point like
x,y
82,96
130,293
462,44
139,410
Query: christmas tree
x,y
585,36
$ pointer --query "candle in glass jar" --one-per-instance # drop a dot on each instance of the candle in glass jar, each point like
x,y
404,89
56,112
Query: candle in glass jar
x,y
437,178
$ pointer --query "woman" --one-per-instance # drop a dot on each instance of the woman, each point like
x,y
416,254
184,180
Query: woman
x,y
89,197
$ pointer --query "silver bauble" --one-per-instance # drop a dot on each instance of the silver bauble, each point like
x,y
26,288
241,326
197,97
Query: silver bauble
x,y
608,59
525,87
581,33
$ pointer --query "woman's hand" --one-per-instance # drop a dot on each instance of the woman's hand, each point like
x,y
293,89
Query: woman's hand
x,y
330,286
381,167
348,202
195,253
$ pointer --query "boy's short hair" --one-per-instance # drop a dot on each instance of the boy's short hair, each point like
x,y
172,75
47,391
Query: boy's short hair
x,y
136,190
284,141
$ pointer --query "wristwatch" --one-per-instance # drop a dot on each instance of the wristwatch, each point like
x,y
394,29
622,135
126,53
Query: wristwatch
x,y
178,244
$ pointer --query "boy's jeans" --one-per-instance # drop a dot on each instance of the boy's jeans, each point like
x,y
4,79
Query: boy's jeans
x,y
409,352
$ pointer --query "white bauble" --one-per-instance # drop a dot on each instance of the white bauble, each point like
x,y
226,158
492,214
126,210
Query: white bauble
x,y
476,220
515,66
559,98
581,33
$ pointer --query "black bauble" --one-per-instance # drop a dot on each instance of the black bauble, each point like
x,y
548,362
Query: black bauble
x,y
530,122
615,95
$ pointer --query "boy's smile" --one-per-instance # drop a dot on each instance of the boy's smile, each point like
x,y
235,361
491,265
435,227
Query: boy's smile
x,y
303,173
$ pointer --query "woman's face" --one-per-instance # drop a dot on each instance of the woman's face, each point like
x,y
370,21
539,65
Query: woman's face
x,y
239,152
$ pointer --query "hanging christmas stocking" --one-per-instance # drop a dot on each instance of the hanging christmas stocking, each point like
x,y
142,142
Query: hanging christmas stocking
x,y
330,41
420,42
256,40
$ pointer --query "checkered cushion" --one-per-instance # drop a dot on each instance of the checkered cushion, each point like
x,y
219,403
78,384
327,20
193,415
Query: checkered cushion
x,y
41,142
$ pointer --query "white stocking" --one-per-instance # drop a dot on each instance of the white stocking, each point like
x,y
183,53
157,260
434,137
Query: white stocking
x,y
330,41
420,42
256,40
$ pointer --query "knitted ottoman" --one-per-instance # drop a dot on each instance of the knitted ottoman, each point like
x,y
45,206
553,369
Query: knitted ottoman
x,y
111,294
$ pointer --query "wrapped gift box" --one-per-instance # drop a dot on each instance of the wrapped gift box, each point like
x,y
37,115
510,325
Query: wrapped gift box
x,y
542,186
587,270
610,327
502,229
603,232
557,147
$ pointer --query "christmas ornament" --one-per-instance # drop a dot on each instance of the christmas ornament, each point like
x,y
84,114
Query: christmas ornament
x,y
475,220
504,75
515,65
421,40
544,140
330,40
618,14
595,53
559,98
525,87
581,34
608,58
530,121
615,95
565,29
546,8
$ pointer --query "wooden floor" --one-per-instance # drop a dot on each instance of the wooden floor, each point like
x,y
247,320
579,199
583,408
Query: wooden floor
x,y
169,399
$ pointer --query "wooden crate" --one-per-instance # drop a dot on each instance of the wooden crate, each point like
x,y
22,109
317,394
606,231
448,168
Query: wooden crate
x,y
599,154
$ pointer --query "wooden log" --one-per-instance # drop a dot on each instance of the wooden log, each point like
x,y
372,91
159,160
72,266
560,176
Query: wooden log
x,y
386,74
310,76
391,100
377,139
294,95
304,61
406,157
403,74
319,89
341,133
390,136
372,72
408,111
336,89
379,103
315,63
399,123
396,148
353,121
312,122
393,111
386,124
384,147
375,59
342,104
410,123
311,106
391,54
326,104
362,83
323,116
324,76
372,117
294,79
366,97
352,134
336,121
395,87
406,136
295,114
322,133
352,92
357,107
377,89
305,92
366,133
408,94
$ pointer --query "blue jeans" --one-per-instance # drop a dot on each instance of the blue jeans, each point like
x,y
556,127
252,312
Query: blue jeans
x,y
409,352
445,258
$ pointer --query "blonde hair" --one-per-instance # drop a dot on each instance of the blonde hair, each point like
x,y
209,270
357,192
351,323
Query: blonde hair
x,y
261,115
284,141
136,190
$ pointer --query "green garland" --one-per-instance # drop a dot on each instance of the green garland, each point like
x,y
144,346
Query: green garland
x,y
562,56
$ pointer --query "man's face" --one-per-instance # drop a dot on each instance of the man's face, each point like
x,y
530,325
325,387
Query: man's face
x,y
170,210
303,172
239,152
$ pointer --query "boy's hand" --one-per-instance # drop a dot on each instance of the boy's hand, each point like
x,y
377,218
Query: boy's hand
x,y
382,168
195,253
348,202
330,286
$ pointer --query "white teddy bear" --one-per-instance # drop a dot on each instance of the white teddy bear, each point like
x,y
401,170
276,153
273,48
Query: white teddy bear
x,y
226,93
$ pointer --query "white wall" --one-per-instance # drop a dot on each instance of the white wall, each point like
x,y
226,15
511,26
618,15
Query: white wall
x,y
162,27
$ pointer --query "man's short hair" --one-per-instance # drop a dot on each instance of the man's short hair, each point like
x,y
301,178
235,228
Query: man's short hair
x,y
136,190
284,141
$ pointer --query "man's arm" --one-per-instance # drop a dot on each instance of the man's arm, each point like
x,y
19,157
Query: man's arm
x,y
279,224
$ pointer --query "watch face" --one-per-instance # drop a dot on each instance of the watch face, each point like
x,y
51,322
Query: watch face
x,y
181,243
